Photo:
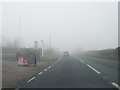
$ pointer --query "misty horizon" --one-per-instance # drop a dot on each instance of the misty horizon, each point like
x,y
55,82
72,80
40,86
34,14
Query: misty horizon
x,y
70,26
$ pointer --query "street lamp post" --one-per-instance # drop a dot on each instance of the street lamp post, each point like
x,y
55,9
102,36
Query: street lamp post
x,y
19,44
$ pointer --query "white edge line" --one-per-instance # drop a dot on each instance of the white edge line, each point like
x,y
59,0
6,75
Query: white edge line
x,y
56,61
45,70
49,67
40,73
93,69
31,79
116,85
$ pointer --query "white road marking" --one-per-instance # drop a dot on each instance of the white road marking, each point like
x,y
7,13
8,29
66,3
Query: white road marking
x,y
93,69
45,70
49,67
57,61
82,61
40,73
31,79
60,58
116,85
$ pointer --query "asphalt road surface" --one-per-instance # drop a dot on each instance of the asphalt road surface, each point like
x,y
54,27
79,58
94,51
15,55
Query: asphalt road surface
x,y
71,72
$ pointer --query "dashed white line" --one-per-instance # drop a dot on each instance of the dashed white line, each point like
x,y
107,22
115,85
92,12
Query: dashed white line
x,y
93,69
116,85
40,73
82,61
31,79
49,67
45,70
59,58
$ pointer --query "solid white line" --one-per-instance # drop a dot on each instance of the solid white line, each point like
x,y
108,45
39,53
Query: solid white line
x,y
45,70
49,67
116,85
31,79
93,69
82,61
40,73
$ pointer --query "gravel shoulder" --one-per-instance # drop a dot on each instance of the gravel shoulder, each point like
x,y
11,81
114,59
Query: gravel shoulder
x,y
12,74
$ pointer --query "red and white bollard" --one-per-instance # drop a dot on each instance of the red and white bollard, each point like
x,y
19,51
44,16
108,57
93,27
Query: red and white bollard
x,y
25,62
20,60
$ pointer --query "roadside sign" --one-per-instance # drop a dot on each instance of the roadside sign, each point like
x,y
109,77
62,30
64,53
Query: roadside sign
x,y
31,59
20,60
25,62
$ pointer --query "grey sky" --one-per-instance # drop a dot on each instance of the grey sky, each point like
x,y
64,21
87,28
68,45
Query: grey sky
x,y
72,26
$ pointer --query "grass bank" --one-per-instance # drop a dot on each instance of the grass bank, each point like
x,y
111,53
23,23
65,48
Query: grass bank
x,y
114,58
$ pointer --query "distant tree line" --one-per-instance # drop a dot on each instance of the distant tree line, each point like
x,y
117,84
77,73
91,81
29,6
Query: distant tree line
x,y
11,47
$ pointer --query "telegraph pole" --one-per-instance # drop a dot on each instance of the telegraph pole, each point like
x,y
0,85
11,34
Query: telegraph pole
x,y
18,47
19,32
36,45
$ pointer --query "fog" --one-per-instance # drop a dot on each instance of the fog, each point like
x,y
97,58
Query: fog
x,y
65,26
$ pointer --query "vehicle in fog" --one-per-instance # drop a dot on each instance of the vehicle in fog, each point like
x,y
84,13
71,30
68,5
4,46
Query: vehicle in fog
x,y
66,53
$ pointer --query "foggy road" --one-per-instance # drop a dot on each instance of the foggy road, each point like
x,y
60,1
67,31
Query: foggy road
x,y
69,72
108,69
37,33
